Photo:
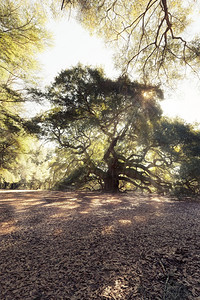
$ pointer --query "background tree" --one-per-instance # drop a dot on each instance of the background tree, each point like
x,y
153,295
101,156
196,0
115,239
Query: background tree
x,y
10,143
33,166
24,162
180,144
152,36
22,35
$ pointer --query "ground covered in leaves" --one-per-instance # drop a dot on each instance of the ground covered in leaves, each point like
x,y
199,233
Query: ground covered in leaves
x,y
63,245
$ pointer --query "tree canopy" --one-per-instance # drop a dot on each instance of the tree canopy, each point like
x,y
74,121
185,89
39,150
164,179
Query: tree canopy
x,y
112,133
22,35
151,35
182,143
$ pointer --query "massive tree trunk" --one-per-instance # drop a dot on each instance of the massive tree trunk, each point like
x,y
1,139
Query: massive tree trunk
x,y
111,184
111,180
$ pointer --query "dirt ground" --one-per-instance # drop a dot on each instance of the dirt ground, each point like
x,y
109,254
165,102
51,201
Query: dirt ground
x,y
63,245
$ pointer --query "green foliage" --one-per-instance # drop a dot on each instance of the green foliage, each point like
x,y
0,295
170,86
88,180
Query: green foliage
x,y
33,166
111,135
107,126
24,163
181,143
22,35
76,179
149,36
10,138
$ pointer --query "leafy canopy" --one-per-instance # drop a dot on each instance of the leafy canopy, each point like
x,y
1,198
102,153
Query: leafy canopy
x,y
22,35
181,142
106,128
151,35
111,135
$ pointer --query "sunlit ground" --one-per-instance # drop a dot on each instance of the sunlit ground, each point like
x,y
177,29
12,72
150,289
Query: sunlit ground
x,y
65,204
80,243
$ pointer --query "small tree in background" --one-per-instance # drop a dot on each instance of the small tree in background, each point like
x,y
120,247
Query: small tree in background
x,y
181,142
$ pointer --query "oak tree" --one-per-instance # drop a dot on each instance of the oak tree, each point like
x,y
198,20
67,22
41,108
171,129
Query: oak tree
x,y
106,128
111,134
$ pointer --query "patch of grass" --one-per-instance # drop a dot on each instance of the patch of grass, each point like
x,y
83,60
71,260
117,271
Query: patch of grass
x,y
174,290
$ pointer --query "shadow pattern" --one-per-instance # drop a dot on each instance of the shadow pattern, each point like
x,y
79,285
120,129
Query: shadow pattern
x,y
77,245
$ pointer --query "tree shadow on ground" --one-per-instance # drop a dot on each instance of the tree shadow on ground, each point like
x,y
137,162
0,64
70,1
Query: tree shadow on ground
x,y
57,245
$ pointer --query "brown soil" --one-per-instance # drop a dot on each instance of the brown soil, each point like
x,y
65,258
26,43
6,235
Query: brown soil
x,y
60,245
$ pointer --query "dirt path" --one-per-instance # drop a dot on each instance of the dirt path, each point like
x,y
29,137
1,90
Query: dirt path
x,y
56,245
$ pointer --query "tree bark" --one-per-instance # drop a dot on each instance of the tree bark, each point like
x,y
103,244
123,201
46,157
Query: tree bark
x,y
111,180
111,184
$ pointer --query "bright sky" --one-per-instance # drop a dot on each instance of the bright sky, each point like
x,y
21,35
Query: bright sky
x,y
73,44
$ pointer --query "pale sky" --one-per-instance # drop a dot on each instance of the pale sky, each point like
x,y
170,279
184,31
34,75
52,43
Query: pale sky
x,y
73,44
